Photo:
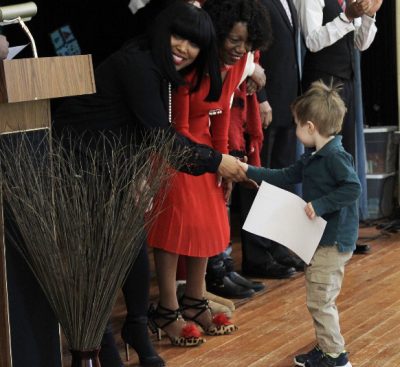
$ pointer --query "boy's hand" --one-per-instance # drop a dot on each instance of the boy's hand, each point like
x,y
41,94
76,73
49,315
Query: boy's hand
x,y
244,165
248,183
310,211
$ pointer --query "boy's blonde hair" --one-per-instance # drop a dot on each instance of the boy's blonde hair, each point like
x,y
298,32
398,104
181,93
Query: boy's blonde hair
x,y
323,106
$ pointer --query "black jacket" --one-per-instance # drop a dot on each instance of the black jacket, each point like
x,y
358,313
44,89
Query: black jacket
x,y
131,98
280,62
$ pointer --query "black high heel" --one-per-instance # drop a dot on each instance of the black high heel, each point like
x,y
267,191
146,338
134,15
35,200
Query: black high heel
x,y
134,333
160,317
220,324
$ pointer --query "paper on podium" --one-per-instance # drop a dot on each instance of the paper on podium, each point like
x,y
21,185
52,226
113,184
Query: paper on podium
x,y
14,51
279,215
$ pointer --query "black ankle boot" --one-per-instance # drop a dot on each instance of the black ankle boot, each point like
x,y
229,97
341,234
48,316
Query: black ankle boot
x,y
134,333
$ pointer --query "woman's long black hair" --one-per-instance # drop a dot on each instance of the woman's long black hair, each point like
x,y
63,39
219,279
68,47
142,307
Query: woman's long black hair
x,y
195,25
225,13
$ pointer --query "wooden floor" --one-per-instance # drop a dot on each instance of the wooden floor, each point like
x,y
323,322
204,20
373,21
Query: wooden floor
x,y
275,325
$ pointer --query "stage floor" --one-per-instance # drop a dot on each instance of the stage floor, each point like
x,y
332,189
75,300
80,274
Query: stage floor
x,y
275,325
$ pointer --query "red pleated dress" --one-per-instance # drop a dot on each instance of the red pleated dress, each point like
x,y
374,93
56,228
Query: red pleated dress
x,y
192,218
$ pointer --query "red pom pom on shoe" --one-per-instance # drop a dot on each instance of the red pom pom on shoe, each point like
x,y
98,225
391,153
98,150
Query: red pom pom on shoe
x,y
221,319
190,331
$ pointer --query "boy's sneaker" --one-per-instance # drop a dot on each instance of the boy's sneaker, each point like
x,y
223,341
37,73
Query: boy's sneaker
x,y
315,353
327,361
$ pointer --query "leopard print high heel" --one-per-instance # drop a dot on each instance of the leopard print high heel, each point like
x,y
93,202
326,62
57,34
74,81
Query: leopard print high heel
x,y
220,324
160,317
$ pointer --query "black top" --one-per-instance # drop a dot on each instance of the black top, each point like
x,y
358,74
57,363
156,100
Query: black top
x,y
131,96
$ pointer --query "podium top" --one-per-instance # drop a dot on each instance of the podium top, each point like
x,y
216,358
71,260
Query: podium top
x,y
34,79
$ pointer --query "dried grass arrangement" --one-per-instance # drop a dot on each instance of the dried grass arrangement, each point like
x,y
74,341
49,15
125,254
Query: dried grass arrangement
x,y
79,216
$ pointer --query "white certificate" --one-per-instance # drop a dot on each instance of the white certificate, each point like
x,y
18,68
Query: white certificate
x,y
279,215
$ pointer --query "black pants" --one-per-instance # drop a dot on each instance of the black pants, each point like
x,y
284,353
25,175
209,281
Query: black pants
x,y
136,286
136,294
35,340
279,151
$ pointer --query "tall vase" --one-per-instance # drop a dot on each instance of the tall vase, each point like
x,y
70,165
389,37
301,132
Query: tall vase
x,y
89,358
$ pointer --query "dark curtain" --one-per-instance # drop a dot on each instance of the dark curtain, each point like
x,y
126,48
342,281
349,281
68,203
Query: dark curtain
x,y
100,27
379,71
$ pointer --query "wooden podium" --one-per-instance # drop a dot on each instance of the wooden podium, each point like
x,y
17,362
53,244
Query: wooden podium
x,y
26,87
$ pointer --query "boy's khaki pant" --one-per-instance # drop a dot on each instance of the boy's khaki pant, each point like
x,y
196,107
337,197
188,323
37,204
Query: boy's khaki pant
x,y
324,278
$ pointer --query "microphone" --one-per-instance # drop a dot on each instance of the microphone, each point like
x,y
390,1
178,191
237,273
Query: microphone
x,y
20,13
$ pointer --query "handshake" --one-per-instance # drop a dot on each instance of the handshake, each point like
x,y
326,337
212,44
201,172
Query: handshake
x,y
234,169
357,8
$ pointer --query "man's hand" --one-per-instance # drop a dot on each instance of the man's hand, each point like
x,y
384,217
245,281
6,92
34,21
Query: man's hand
x,y
310,211
230,168
265,114
3,47
259,77
375,6
357,8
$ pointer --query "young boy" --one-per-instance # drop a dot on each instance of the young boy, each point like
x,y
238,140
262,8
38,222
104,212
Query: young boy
x,y
331,189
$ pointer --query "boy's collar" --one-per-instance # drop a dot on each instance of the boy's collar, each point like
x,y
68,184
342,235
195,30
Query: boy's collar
x,y
325,150
330,146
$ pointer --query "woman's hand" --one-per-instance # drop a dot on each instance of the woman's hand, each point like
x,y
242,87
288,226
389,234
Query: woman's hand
x,y
251,86
227,186
259,77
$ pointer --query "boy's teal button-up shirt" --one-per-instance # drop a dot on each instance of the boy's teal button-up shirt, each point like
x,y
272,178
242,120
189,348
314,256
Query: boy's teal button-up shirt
x,y
330,183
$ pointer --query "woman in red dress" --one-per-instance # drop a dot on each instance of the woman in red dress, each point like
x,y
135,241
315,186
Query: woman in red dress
x,y
192,217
